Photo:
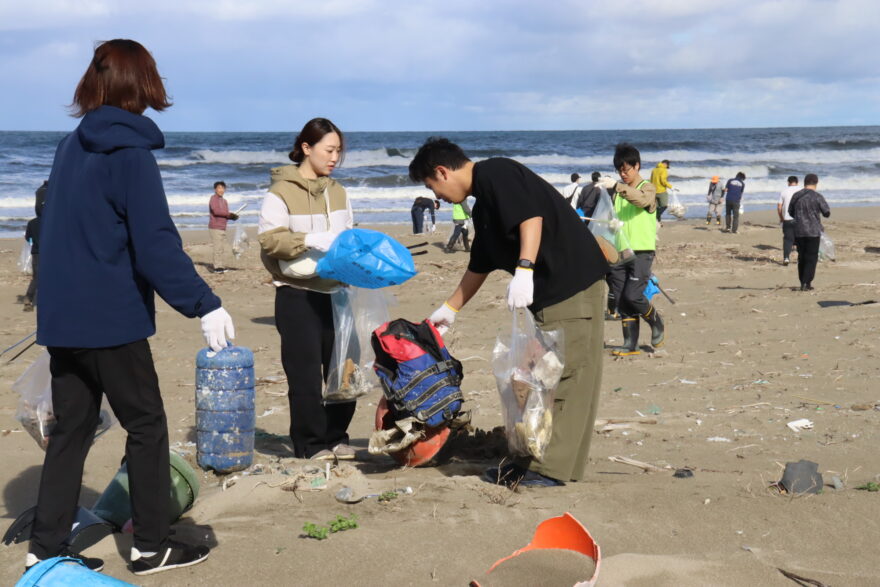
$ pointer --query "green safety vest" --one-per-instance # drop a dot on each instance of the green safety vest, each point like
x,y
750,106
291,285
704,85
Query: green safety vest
x,y
639,225
458,212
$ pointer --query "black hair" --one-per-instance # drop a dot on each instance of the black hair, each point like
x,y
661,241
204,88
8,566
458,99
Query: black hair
x,y
436,151
311,134
575,177
811,179
596,175
740,175
792,179
665,162
216,183
624,153
436,204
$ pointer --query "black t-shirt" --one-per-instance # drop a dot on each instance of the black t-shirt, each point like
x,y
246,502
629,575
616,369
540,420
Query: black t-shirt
x,y
507,193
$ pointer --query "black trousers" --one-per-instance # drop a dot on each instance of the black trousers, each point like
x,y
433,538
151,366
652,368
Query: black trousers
x,y
627,282
128,378
808,257
304,320
459,230
731,209
31,293
787,238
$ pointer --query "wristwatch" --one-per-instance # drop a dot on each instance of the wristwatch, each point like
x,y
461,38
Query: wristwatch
x,y
525,264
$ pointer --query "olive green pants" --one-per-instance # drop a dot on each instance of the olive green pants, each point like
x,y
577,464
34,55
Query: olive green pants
x,y
580,317
219,245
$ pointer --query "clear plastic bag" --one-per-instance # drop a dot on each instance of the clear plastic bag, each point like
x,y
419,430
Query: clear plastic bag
x,y
528,366
356,313
676,208
240,242
608,231
25,261
826,248
35,413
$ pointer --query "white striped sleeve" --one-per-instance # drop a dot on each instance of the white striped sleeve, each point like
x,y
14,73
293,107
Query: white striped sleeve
x,y
273,214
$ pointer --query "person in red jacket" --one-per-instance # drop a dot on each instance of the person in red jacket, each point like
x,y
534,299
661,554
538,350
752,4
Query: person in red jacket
x,y
220,214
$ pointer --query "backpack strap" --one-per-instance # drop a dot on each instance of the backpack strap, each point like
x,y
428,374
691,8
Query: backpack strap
x,y
441,406
434,369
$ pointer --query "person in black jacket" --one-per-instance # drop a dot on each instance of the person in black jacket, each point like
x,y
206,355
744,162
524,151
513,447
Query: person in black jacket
x,y
589,197
420,205
107,244
32,235
805,207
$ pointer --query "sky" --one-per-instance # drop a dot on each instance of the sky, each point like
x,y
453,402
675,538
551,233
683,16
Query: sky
x,y
393,65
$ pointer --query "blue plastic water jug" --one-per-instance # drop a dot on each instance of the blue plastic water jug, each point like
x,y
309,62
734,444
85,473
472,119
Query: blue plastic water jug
x,y
225,418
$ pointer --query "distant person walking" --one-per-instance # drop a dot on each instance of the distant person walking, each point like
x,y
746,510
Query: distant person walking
x,y
733,192
461,215
660,179
805,207
569,192
786,219
220,214
419,207
32,235
588,198
714,198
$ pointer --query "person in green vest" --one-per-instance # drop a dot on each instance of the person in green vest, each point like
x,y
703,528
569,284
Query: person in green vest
x,y
461,214
635,202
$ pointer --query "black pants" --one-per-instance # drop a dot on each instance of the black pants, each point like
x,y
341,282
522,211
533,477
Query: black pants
x,y
627,282
418,218
808,257
128,378
304,320
459,230
731,209
787,238
31,293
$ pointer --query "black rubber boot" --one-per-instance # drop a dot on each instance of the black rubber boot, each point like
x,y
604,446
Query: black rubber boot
x,y
652,317
630,344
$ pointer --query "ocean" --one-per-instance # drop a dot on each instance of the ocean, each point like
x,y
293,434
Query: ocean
x,y
846,159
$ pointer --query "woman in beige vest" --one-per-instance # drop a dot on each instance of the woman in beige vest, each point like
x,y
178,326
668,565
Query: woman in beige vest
x,y
300,217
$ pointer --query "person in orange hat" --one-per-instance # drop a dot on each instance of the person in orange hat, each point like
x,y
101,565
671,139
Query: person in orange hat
x,y
714,197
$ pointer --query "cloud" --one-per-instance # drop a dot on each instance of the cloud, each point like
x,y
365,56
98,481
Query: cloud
x,y
510,63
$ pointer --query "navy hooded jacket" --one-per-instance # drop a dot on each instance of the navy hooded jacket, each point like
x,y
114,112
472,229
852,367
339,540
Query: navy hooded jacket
x,y
107,239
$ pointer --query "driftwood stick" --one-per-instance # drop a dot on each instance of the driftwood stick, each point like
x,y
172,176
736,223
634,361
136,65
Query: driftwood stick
x,y
647,467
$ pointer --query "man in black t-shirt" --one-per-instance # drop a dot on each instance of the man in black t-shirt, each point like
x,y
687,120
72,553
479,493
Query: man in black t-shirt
x,y
525,227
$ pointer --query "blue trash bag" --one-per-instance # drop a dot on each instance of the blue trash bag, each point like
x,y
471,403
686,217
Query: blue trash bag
x,y
651,288
367,258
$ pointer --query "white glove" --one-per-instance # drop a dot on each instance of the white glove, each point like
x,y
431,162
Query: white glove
x,y
320,241
607,182
443,317
521,288
217,327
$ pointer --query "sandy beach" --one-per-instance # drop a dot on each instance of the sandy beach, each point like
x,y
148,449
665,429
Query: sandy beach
x,y
745,355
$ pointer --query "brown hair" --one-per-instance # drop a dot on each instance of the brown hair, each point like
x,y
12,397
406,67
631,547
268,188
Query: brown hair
x,y
311,134
122,74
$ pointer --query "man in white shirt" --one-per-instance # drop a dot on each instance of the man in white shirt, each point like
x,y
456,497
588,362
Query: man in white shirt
x,y
786,219
569,192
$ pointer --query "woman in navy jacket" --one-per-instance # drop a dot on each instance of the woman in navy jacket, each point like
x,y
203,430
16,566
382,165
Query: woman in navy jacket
x,y
107,244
